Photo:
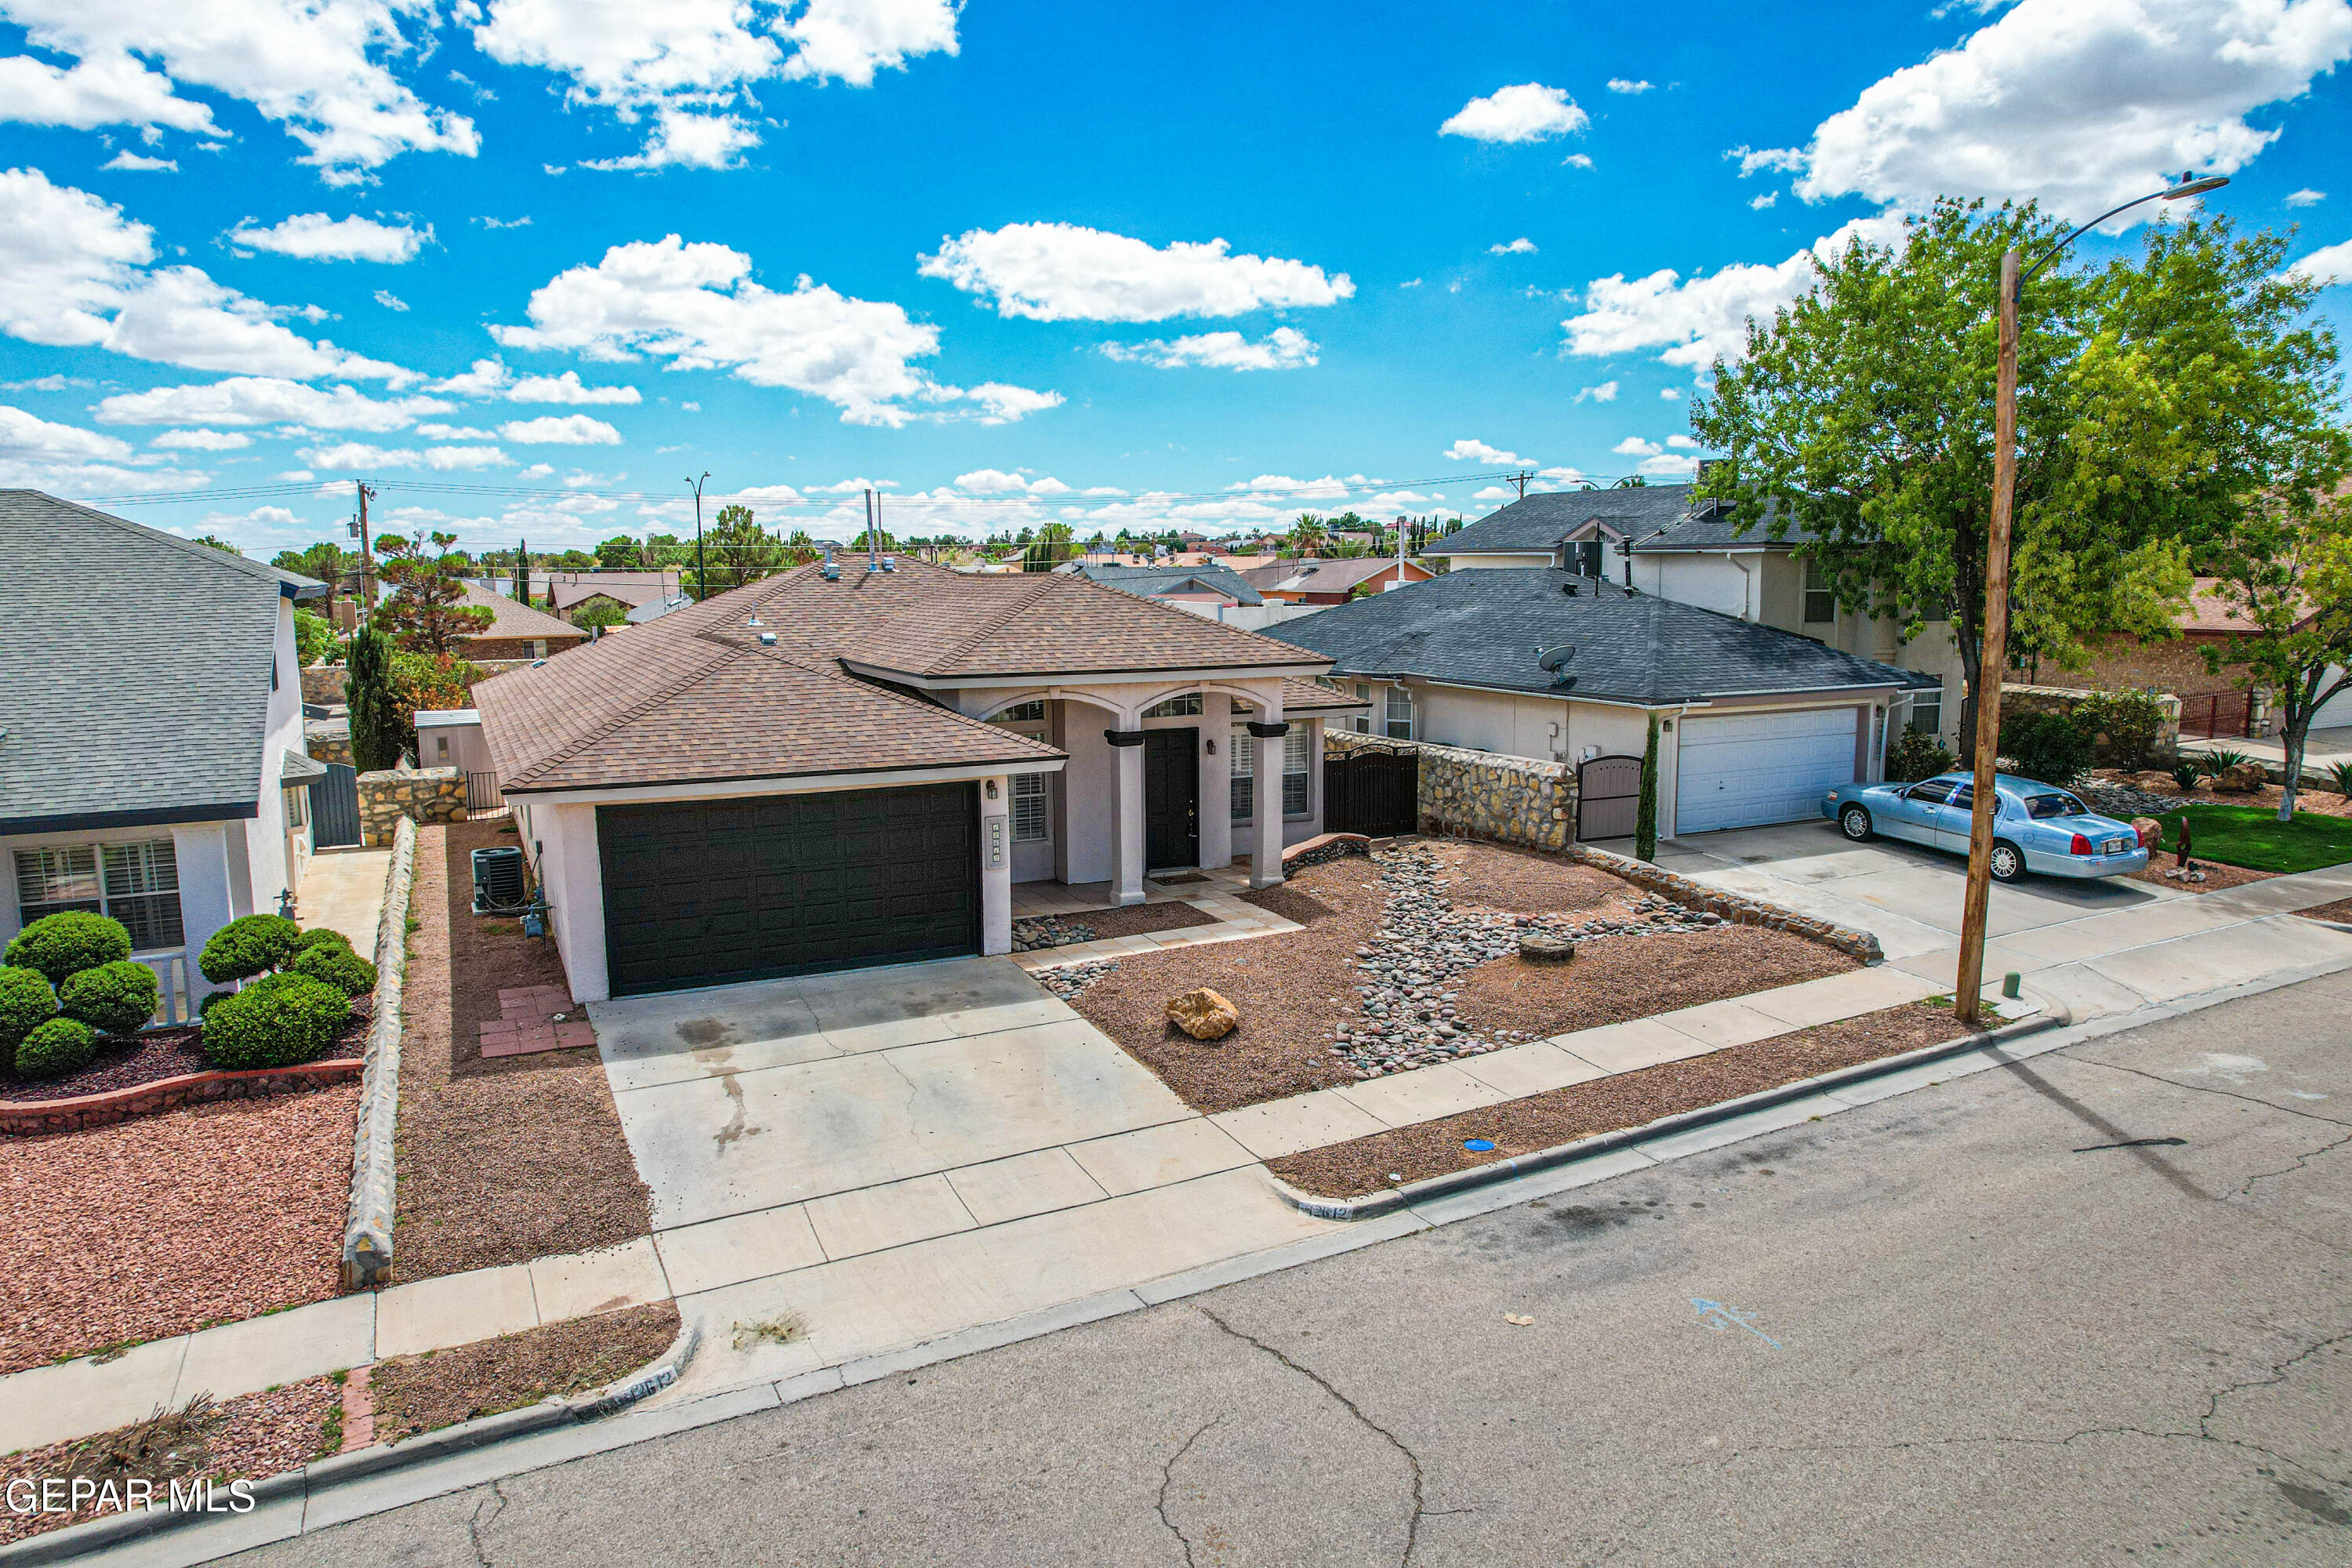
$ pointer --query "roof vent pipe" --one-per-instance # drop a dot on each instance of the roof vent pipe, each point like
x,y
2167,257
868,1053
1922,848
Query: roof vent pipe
x,y
830,572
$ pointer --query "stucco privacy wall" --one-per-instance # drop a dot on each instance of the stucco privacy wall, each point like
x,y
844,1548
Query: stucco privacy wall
x,y
1512,800
425,795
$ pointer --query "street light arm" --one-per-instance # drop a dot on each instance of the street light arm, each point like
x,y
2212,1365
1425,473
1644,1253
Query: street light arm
x,y
2169,193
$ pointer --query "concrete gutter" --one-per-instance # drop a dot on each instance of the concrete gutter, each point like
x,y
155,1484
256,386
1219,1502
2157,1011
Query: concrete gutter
x,y
300,1487
1406,1195
367,1231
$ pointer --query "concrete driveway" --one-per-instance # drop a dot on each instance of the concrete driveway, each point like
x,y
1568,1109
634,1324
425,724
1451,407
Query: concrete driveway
x,y
874,1158
2098,947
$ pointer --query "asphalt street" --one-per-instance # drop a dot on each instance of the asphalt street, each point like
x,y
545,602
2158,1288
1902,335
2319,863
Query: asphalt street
x,y
2092,1308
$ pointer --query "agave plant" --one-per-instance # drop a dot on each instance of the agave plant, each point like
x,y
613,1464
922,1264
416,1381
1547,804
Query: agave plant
x,y
2339,779
2220,757
2185,773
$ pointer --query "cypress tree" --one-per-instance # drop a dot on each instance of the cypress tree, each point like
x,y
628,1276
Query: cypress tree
x,y
522,572
1646,824
379,730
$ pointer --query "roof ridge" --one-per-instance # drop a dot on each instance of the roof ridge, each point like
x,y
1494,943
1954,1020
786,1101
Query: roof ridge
x,y
1166,610
572,747
1020,603
260,570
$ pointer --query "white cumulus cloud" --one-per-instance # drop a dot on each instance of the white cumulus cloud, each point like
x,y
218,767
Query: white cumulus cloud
x,y
28,437
1528,112
358,456
567,388
1604,392
200,441
266,400
138,163
1063,273
561,431
319,67
315,237
2305,197
1621,84
2079,104
1471,451
1285,348
849,40
698,306
391,301
1522,246
2325,267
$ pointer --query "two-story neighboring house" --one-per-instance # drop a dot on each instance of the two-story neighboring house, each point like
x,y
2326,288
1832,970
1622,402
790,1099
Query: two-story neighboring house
x,y
1661,540
151,761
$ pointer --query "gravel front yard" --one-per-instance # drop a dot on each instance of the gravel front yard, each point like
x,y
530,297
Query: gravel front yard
x,y
162,1224
1626,1099
509,1158
1035,932
1410,957
2340,910
249,1437
421,1393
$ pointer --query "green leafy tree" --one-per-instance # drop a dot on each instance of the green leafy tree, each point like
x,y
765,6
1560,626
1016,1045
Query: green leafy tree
x,y
1307,535
599,616
216,543
315,641
426,612
736,551
380,731
620,553
521,568
2285,566
2155,397
1052,546
324,562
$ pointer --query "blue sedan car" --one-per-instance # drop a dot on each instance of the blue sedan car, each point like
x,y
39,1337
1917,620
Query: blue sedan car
x,y
2036,827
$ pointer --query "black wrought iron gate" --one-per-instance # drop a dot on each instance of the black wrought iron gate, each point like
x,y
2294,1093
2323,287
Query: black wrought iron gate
x,y
1375,792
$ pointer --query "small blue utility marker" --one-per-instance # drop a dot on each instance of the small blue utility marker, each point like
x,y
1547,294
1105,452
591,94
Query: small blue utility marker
x,y
1479,1145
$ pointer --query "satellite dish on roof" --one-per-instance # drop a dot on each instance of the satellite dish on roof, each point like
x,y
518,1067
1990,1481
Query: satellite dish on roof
x,y
1551,661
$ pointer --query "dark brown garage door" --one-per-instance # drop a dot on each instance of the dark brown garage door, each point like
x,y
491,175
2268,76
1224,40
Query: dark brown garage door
x,y
710,893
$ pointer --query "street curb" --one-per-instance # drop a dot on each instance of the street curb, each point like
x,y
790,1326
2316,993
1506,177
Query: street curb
x,y
310,1480
367,1228
1411,1192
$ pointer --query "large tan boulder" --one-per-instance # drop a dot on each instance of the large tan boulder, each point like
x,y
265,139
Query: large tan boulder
x,y
2149,829
2240,778
1203,1014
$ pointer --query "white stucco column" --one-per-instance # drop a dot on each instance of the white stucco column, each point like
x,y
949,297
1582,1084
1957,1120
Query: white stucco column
x,y
1266,831
1216,782
1127,818
201,850
995,865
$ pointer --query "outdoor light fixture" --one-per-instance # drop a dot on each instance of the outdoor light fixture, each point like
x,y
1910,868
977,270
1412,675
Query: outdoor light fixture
x,y
1993,657
992,789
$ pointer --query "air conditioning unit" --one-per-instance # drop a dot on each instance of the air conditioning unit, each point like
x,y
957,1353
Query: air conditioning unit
x,y
498,881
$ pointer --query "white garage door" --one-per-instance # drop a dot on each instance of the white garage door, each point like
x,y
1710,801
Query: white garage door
x,y
1739,771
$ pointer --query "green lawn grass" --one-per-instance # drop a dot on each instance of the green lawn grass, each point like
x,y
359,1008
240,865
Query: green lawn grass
x,y
2253,837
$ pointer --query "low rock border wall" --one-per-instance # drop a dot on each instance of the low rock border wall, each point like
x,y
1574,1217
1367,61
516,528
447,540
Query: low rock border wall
x,y
29,1118
1732,906
367,1234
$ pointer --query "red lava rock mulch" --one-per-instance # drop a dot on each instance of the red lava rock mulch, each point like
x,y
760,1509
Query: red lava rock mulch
x,y
505,1158
1605,1105
421,1393
1292,988
161,1054
1135,920
246,1438
145,1229
2339,911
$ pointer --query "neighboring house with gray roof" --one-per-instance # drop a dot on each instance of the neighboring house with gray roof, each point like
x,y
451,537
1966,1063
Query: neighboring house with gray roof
x,y
1208,585
152,762
1757,723
1664,540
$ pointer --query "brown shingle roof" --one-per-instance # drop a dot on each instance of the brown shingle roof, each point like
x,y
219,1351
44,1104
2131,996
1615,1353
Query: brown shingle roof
x,y
696,696
514,620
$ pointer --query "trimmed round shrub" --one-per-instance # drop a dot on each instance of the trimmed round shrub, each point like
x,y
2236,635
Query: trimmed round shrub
x,y
327,935
26,1003
274,1023
209,1000
56,1048
339,967
62,944
116,998
248,946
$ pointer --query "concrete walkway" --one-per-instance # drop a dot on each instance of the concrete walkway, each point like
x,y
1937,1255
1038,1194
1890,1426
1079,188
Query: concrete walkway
x,y
854,1165
343,890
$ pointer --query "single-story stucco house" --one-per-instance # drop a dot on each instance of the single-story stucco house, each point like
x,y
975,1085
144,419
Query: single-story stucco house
x,y
1208,585
517,630
1755,723
152,762
852,765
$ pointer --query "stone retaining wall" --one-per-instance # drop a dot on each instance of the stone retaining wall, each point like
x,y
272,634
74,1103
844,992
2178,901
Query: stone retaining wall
x,y
1482,794
420,796
1323,847
367,1230
1732,906
328,741
23,1118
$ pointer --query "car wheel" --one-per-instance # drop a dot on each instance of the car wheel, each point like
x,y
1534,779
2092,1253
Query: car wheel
x,y
2007,862
1856,822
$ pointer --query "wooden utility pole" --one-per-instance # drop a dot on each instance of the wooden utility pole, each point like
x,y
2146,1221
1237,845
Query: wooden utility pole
x,y
367,557
1520,480
1993,659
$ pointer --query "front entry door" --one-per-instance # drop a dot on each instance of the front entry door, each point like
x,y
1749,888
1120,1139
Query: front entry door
x,y
1171,798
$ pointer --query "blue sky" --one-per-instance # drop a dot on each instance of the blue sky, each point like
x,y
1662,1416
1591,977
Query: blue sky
x,y
1204,266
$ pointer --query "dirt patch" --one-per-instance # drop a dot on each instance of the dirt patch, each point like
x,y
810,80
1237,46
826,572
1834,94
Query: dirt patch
x,y
1036,932
248,1438
2217,876
2339,911
507,1158
250,1196
421,1393
161,1054
1296,989
1616,979
1605,1105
